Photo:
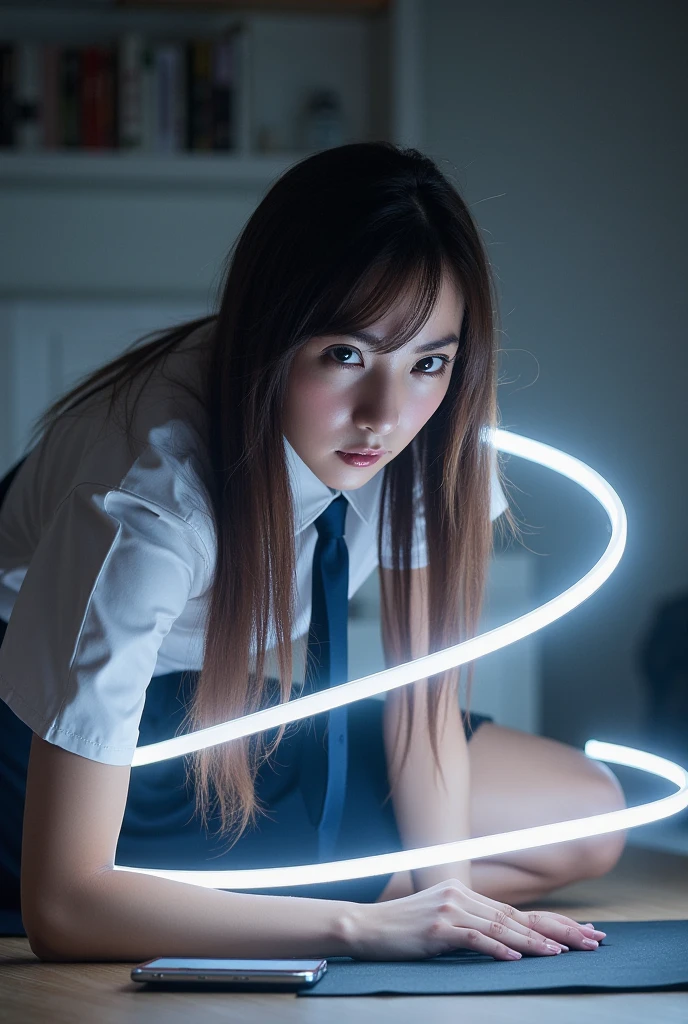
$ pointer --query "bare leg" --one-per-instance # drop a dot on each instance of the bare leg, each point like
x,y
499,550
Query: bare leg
x,y
519,780
508,883
504,882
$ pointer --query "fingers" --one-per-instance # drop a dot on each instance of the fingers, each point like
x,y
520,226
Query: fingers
x,y
502,941
503,915
562,930
521,915
587,928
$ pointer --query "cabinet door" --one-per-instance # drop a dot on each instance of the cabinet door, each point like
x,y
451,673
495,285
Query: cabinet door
x,y
53,344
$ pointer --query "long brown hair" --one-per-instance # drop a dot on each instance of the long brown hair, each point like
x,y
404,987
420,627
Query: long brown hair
x,y
332,246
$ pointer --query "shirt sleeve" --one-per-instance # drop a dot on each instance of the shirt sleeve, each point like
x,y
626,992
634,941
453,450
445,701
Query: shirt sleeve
x,y
111,573
419,551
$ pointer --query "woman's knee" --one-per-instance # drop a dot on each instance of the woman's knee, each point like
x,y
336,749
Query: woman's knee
x,y
594,856
606,849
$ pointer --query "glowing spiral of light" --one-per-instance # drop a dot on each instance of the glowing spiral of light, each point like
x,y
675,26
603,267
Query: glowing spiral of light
x,y
439,661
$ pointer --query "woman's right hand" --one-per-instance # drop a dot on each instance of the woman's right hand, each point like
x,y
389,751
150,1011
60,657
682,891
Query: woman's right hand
x,y
451,916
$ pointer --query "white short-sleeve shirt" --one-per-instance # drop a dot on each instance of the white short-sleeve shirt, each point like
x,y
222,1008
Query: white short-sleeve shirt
x,y
106,560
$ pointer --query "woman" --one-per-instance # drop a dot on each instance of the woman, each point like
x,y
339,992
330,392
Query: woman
x,y
163,559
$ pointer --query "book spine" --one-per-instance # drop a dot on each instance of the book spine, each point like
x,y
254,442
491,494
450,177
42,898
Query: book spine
x,y
235,87
107,110
51,95
90,67
222,125
99,98
149,105
199,63
189,97
179,97
28,93
7,106
130,91
70,106
171,127
164,99
243,93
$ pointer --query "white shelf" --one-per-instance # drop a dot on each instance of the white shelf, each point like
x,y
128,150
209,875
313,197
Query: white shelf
x,y
138,225
84,168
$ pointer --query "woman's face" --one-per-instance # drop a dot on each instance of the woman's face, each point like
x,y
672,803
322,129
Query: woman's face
x,y
341,396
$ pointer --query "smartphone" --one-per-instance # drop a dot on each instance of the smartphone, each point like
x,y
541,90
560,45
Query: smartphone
x,y
244,975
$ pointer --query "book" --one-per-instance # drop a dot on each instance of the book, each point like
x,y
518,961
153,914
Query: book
x,y
89,97
199,95
70,96
28,91
223,95
130,91
106,107
149,99
171,97
7,106
51,96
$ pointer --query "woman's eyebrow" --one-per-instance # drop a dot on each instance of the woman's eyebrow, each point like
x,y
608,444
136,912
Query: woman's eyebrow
x,y
428,346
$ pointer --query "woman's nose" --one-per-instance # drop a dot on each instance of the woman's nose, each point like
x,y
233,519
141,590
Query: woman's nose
x,y
377,412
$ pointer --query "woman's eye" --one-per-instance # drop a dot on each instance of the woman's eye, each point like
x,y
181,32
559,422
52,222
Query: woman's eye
x,y
345,349
440,370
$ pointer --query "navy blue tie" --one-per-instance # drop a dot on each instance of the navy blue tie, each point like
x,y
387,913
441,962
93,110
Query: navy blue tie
x,y
324,757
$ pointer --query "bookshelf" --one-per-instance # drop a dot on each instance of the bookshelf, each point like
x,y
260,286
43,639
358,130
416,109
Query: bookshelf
x,y
137,222
365,53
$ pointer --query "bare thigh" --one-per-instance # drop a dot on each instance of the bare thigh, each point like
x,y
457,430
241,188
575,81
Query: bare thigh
x,y
519,780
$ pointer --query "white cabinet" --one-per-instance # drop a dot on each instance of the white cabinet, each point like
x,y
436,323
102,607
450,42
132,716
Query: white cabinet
x,y
49,345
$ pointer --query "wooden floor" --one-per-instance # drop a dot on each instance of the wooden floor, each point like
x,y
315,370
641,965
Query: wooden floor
x,y
645,885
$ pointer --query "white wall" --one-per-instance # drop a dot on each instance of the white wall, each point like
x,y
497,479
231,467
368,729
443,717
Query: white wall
x,y
564,124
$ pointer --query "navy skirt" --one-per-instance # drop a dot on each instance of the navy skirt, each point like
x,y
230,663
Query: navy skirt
x,y
160,828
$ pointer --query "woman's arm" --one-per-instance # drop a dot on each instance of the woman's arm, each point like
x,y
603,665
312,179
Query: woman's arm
x,y
75,906
427,811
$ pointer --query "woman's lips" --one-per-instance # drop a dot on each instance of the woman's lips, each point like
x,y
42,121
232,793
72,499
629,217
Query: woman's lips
x,y
356,459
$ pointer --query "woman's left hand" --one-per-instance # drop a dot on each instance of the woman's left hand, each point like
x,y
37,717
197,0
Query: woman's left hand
x,y
558,927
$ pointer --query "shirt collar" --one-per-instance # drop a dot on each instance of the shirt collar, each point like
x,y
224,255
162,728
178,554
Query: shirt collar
x,y
312,496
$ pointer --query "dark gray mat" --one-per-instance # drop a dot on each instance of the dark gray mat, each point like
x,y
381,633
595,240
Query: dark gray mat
x,y
635,956
640,956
